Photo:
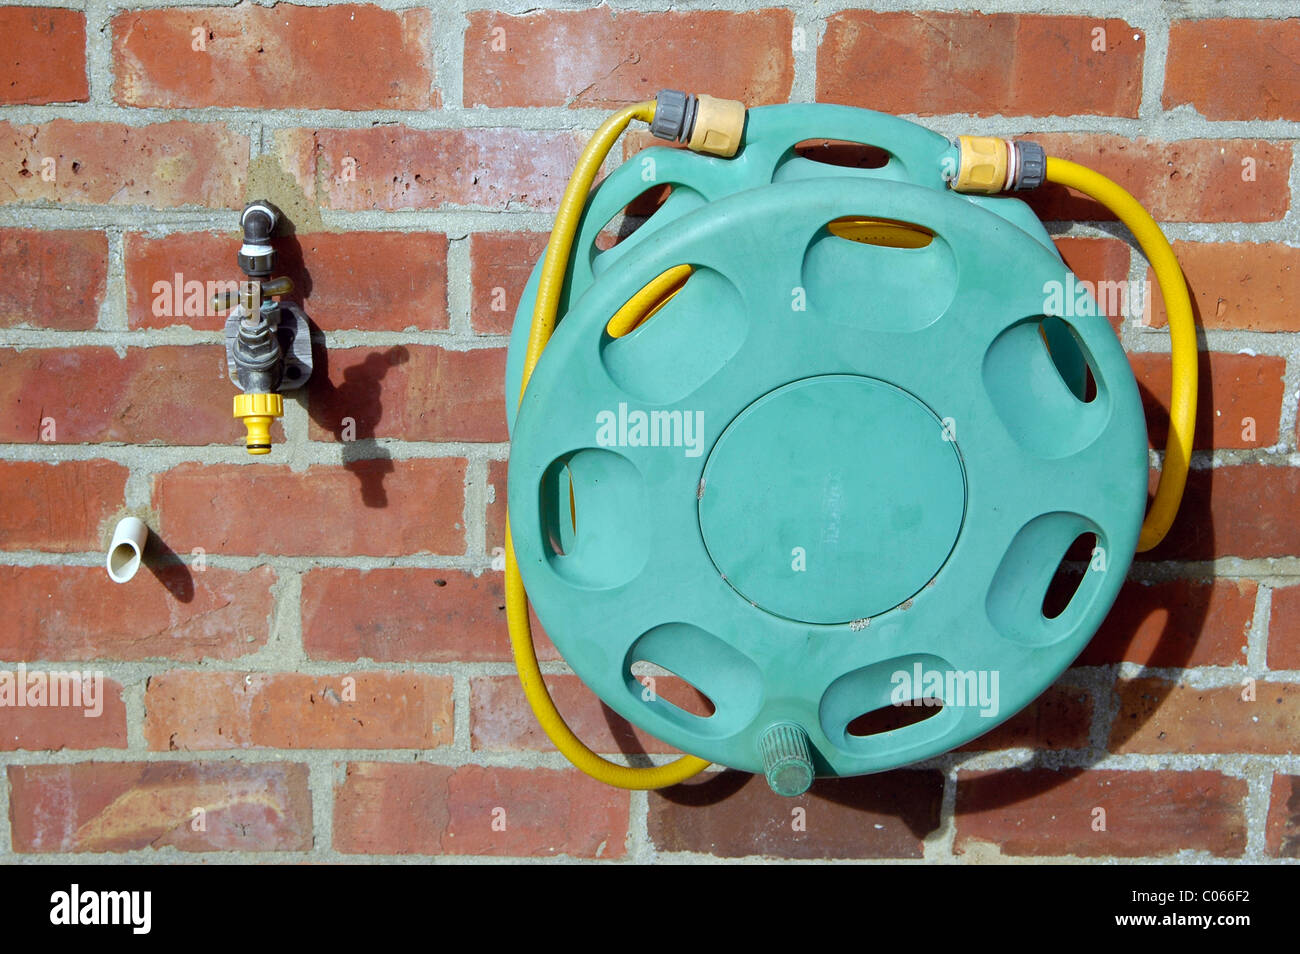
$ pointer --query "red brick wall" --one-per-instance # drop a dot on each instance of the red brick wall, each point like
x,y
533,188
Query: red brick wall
x,y
325,671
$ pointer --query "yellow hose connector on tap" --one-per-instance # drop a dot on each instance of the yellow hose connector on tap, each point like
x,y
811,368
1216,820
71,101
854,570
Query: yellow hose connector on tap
x,y
258,411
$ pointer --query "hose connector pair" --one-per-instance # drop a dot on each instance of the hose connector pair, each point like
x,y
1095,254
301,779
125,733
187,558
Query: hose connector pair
x,y
988,165
704,123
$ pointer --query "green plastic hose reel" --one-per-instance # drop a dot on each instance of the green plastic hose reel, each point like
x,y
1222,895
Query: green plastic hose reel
x,y
829,482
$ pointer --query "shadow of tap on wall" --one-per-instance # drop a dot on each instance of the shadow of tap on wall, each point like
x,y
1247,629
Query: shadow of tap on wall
x,y
349,404
291,262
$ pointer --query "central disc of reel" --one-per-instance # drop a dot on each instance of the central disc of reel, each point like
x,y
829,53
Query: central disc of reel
x,y
832,499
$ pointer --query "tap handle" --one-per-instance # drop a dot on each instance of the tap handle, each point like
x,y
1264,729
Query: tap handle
x,y
249,291
277,286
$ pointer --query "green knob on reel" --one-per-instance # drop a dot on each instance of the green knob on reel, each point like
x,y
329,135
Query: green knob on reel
x,y
787,761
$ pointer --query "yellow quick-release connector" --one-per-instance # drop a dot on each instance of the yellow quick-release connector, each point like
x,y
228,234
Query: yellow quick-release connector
x,y
257,411
983,164
705,124
719,125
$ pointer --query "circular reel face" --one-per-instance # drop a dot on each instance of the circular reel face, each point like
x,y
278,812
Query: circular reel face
x,y
832,499
828,479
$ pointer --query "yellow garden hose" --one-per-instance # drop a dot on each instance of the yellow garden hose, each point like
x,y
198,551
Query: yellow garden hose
x,y
1182,336
550,284
642,306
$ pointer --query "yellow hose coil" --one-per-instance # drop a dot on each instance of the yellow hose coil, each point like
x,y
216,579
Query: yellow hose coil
x,y
642,306
1182,336
554,267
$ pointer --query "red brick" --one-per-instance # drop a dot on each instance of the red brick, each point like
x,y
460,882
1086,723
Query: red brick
x,y
423,809
1175,623
734,814
1284,629
1047,812
601,58
1238,285
1245,510
404,614
371,281
158,269
191,711
379,507
1157,715
1238,387
502,721
402,168
161,394
988,64
500,263
1191,180
639,137
126,806
1234,68
410,392
59,507
1095,259
1099,261
1058,719
174,612
95,721
1283,831
345,56
44,55
52,279
164,165
496,510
